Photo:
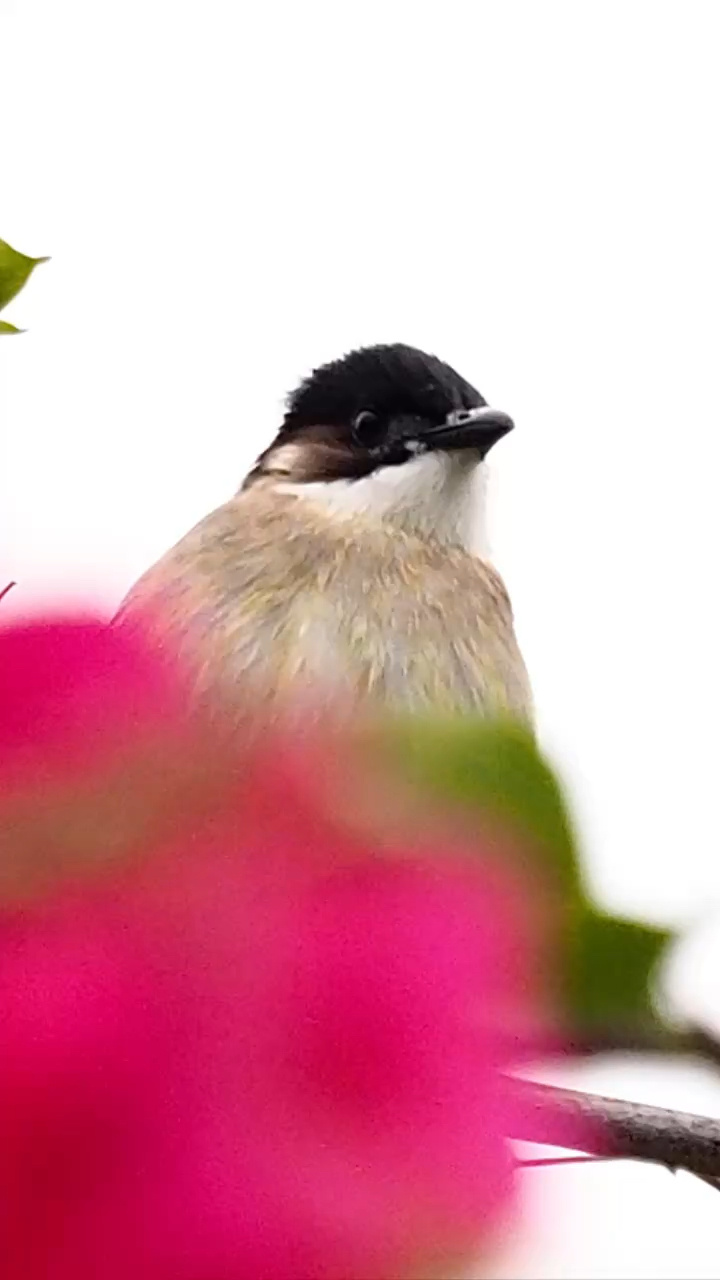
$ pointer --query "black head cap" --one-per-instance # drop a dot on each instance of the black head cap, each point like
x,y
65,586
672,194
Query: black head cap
x,y
379,406
387,379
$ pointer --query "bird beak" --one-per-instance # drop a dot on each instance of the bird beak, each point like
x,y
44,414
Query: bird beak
x,y
478,428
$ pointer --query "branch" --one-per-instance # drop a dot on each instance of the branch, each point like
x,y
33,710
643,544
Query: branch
x,y
552,1162
685,1042
676,1139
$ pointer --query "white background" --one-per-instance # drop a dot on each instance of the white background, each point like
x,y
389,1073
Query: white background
x,y
232,193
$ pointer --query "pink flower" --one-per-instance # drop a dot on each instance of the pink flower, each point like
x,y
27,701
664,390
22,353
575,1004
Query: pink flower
x,y
99,758
262,1049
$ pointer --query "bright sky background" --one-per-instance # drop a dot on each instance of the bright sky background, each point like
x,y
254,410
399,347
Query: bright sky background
x,y
233,193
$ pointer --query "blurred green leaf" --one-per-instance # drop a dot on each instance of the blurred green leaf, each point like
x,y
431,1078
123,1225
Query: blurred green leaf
x,y
8,328
606,963
15,270
609,970
494,766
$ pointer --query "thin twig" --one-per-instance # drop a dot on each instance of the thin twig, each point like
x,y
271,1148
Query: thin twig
x,y
694,1042
613,1127
5,590
549,1162
553,1162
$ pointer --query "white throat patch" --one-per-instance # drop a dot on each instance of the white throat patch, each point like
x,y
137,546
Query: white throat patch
x,y
439,495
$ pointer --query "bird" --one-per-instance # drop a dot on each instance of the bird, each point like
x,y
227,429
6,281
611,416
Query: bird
x,y
342,573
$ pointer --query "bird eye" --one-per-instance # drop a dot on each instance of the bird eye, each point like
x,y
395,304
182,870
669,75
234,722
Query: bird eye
x,y
369,429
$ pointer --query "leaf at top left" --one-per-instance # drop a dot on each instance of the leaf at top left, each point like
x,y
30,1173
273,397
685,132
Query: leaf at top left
x,y
15,271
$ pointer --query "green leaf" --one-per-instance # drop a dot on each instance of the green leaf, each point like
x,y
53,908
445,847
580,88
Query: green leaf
x,y
15,270
8,328
609,970
494,767
605,964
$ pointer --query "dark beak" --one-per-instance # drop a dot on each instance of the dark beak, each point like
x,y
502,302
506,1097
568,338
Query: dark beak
x,y
478,428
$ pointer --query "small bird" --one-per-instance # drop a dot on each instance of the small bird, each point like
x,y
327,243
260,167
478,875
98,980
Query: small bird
x,y
342,571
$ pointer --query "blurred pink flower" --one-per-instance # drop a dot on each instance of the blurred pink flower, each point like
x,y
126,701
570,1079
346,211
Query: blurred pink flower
x,y
100,759
265,1050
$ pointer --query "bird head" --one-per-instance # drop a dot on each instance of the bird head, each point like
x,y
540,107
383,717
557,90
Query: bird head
x,y
386,430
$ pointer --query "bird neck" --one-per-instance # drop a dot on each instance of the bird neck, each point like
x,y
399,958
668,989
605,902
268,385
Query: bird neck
x,y
437,496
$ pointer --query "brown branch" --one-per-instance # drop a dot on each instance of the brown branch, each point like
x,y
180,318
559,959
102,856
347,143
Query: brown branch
x,y
5,590
613,1127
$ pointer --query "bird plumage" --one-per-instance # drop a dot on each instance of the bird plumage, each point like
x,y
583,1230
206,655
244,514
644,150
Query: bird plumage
x,y
322,584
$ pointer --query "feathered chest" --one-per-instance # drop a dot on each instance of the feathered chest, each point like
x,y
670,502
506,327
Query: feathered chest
x,y
285,601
